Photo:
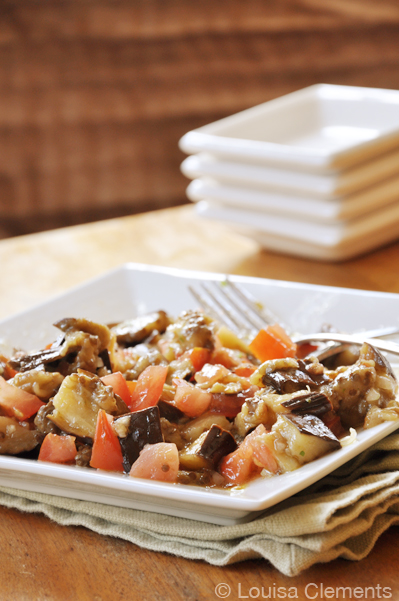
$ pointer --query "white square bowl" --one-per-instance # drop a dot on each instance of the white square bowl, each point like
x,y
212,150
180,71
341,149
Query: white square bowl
x,y
269,179
317,241
292,205
322,128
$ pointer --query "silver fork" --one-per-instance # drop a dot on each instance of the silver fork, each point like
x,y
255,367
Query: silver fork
x,y
236,308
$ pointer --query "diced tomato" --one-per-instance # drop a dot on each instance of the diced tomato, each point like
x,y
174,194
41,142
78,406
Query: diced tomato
x,y
238,467
211,373
158,461
272,342
18,403
228,357
149,387
245,370
198,357
229,405
131,384
305,349
249,459
262,455
58,449
8,371
119,384
107,452
190,399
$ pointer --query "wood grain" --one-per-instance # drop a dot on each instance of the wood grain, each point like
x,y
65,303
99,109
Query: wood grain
x,y
48,561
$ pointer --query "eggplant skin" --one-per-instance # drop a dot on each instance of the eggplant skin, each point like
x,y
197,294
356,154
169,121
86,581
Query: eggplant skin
x,y
314,426
134,331
216,444
169,411
382,365
315,403
136,430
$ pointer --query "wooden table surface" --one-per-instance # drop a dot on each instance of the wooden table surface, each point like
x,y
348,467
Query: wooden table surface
x,y
42,560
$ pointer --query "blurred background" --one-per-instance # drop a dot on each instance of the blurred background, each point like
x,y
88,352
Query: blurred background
x,y
95,94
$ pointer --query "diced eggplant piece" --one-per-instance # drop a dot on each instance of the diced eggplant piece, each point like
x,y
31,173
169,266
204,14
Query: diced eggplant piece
x,y
306,436
135,430
289,381
39,382
145,357
78,401
121,407
208,449
382,365
195,427
171,433
100,331
169,411
311,424
36,359
314,403
268,367
191,329
216,444
265,406
286,382
81,347
253,412
16,437
359,388
43,423
136,330
190,458
289,375
105,358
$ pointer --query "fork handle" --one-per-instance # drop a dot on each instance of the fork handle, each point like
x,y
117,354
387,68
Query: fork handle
x,y
382,345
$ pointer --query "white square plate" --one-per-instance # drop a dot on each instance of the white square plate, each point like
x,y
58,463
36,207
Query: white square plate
x,y
135,289
320,128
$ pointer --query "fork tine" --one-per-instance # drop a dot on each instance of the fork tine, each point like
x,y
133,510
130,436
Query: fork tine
x,y
235,307
225,307
264,315
241,305
225,301
213,308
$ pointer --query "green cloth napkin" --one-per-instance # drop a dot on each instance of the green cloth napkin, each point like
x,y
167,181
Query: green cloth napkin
x,y
341,516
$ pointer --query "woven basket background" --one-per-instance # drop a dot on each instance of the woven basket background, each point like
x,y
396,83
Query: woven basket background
x,y
94,95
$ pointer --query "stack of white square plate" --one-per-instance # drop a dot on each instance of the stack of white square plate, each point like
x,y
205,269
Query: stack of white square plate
x,y
314,173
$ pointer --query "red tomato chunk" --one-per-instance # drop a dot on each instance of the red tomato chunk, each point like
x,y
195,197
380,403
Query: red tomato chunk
x,y
158,461
106,453
119,385
18,403
149,387
58,449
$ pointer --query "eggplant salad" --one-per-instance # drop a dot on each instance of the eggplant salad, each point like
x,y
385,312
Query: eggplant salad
x,y
186,401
